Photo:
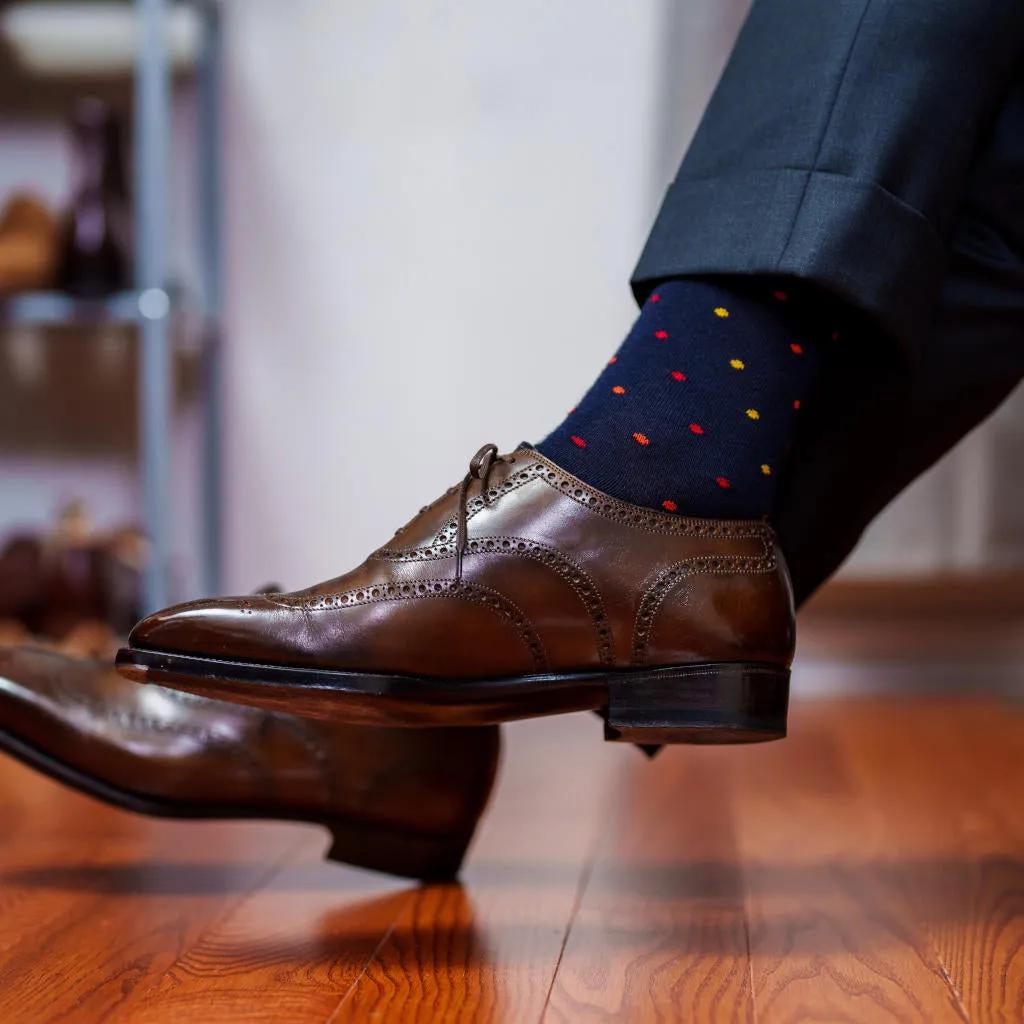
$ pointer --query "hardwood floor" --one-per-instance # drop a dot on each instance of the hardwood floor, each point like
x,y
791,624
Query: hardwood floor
x,y
869,868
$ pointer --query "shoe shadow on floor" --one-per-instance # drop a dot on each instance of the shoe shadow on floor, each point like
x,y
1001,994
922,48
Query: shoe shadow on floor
x,y
177,878
701,905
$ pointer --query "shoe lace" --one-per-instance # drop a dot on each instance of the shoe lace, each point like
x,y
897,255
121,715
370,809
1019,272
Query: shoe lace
x,y
479,469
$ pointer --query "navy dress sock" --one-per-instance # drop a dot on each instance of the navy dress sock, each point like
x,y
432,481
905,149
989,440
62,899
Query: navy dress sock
x,y
695,411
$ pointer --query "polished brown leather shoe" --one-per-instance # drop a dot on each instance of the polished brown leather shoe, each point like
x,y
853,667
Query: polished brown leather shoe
x,y
397,800
522,592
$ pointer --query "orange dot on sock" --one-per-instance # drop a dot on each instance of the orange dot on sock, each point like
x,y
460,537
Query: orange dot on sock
x,y
619,390
671,506
722,482
661,335
696,428
766,469
798,349
614,359
781,296
678,376
721,311
578,441
640,439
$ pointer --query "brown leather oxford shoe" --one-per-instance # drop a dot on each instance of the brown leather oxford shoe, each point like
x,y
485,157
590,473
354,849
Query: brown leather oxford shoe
x,y
523,592
395,800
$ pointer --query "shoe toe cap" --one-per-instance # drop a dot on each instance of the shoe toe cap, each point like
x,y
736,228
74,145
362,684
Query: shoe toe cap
x,y
222,627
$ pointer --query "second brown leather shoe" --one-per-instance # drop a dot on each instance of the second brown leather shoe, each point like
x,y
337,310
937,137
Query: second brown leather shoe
x,y
522,592
394,800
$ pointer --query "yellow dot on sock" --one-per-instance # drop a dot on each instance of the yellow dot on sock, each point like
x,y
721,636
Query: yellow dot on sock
x,y
736,364
766,469
753,414
721,311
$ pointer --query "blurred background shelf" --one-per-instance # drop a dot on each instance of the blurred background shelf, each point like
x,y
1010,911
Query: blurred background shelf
x,y
132,55
53,49
93,37
56,309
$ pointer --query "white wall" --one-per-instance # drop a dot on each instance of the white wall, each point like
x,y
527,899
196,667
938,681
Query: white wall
x,y
433,210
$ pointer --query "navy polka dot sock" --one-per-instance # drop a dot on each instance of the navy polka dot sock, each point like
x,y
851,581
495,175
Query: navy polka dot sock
x,y
694,412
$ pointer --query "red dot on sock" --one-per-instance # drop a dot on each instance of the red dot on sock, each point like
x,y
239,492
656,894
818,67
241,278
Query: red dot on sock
x,y
578,441
835,335
678,376
572,410
781,296
655,297
796,404
722,482
696,428
661,335
671,506
798,349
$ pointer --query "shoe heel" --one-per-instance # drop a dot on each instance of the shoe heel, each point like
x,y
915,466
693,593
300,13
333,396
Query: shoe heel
x,y
728,702
411,855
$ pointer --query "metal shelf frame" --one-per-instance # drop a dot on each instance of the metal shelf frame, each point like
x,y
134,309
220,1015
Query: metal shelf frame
x,y
152,152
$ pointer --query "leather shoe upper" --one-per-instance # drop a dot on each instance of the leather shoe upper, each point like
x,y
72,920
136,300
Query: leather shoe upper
x,y
524,569
188,753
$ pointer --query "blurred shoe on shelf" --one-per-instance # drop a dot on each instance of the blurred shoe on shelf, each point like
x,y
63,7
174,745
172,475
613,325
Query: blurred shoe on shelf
x,y
72,590
71,574
95,247
90,639
28,245
21,576
12,633
403,801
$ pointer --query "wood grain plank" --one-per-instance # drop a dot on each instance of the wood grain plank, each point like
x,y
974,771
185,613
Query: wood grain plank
x,y
661,931
874,862
488,950
286,955
832,934
110,906
956,818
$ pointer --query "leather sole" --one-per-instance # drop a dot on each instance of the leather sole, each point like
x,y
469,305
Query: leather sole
x,y
728,702
359,843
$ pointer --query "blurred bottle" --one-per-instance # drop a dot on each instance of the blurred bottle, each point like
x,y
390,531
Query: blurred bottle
x,y
95,258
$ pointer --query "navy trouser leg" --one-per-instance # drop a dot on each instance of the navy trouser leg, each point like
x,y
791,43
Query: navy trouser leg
x,y
837,148
876,421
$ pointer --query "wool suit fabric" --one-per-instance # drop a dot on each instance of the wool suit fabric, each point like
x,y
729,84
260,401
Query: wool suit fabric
x,y
873,148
